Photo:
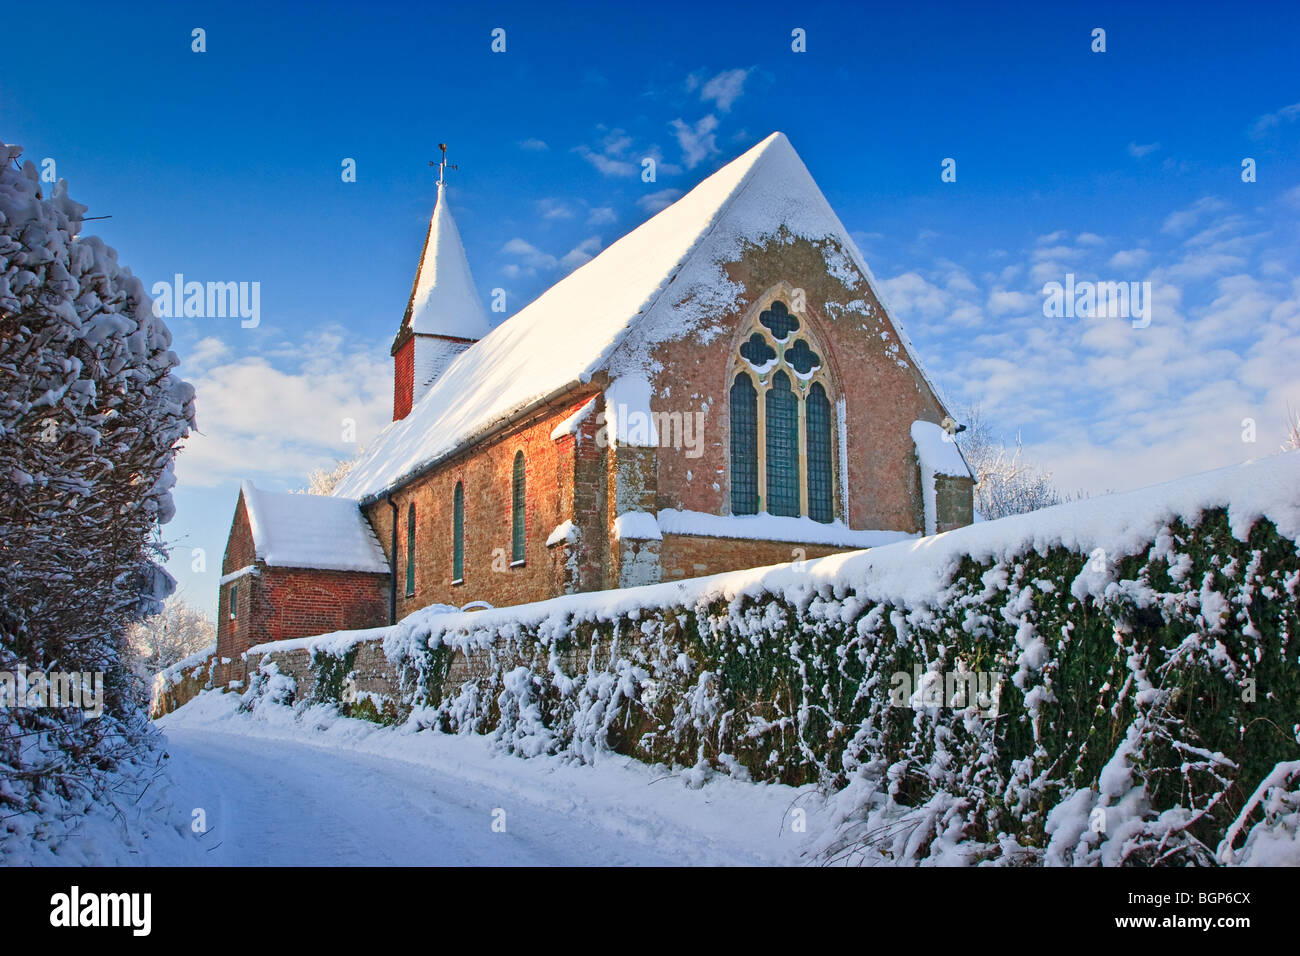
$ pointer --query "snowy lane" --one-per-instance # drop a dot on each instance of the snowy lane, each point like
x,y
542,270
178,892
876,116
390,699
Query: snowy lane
x,y
297,786
275,802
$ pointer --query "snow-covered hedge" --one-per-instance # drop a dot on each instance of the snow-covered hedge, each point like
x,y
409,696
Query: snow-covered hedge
x,y
91,415
1140,649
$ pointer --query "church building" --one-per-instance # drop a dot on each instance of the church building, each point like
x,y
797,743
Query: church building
x,y
719,389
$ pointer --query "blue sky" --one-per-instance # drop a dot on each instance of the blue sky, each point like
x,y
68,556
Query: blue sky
x,y
1118,166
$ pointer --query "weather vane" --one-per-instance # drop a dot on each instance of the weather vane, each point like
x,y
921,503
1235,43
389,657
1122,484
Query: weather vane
x,y
444,165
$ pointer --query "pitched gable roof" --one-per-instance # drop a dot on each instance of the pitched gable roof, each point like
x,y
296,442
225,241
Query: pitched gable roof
x,y
655,283
311,531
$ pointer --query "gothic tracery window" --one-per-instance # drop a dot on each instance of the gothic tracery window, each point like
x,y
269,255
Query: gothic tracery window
x,y
782,421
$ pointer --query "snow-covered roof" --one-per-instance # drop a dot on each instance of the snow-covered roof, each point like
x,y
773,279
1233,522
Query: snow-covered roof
x,y
444,300
311,531
657,283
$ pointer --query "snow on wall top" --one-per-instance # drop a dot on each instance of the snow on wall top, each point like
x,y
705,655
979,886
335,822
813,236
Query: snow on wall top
x,y
444,300
916,573
311,531
659,282
937,452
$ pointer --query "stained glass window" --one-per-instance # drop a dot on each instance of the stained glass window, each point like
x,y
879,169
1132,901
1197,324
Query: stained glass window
x,y
756,351
821,505
782,447
458,533
774,468
517,511
779,321
744,446
802,358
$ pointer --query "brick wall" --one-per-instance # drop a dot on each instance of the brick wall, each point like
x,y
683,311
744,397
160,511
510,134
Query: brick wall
x,y
403,376
692,556
275,604
550,468
239,554
302,602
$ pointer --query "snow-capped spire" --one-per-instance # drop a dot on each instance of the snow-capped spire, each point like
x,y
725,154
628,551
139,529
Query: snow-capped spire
x,y
444,300
444,315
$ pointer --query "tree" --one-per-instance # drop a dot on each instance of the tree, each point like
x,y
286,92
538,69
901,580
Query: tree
x,y
321,481
160,640
1005,484
90,419
1292,440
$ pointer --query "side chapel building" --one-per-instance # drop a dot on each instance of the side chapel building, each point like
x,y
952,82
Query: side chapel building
x,y
719,389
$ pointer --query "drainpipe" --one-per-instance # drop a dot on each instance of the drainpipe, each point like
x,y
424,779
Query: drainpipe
x,y
392,574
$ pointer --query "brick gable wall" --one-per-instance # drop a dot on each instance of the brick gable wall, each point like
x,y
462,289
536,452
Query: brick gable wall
x,y
275,604
884,392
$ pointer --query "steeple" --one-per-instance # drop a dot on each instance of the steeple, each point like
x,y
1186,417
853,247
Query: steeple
x,y
444,315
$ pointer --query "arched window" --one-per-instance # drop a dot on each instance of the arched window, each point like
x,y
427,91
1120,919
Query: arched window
x,y
517,512
744,446
782,447
821,492
410,550
783,451
458,534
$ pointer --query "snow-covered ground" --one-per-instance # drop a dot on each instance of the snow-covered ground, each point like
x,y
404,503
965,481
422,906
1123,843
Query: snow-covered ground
x,y
313,788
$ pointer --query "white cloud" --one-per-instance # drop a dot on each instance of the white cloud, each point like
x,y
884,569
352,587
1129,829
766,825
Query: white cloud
x,y
1183,219
531,259
584,251
1129,259
725,88
611,159
605,164
553,209
662,199
1137,151
601,215
698,142
534,145
1002,301
205,352
1270,121
283,412
1106,405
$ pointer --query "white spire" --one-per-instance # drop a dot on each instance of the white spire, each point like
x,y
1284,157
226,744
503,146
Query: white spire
x,y
444,300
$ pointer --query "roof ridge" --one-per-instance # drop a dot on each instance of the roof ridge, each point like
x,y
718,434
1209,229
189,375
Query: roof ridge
x,y
719,215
